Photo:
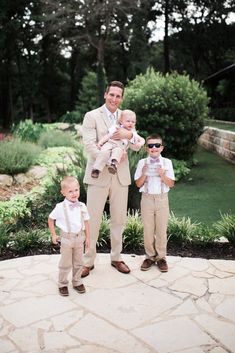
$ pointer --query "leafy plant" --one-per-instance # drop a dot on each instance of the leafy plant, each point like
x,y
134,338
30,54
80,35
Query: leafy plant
x,y
104,232
17,156
173,106
133,232
225,227
28,131
26,241
55,138
181,229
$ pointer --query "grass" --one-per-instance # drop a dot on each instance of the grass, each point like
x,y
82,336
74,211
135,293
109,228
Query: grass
x,y
208,190
220,125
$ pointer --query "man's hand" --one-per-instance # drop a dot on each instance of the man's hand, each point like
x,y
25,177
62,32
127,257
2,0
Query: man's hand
x,y
122,134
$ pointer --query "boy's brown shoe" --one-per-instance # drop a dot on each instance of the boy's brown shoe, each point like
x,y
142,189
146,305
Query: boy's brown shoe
x,y
64,291
147,264
86,271
162,264
80,289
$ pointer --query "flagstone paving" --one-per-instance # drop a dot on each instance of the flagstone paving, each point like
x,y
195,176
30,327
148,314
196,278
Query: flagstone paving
x,y
190,309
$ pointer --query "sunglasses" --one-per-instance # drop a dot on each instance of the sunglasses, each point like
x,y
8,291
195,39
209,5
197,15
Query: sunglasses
x,y
151,145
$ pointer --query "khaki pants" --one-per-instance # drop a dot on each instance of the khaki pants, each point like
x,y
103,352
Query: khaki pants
x,y
155,214
110,150
71,251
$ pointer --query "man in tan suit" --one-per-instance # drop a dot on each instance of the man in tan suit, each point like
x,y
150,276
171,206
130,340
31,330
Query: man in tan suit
x,y
112,186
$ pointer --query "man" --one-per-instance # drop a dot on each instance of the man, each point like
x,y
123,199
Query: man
x,y
113,186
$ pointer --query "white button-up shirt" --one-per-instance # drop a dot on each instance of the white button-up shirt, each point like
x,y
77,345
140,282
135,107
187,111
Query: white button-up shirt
x,y
154,184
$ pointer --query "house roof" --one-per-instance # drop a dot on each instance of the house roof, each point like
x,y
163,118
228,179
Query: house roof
x,y
227,72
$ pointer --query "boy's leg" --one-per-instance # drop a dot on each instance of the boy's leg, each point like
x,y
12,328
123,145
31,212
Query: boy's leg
x,y
161,217
65,263
147,215
78,260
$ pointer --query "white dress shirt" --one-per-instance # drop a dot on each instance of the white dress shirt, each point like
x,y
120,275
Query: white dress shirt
x,y
154,184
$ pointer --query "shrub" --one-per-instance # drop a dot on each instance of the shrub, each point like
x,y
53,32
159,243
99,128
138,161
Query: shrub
x,y
181,230
225,227
104,232
28,131
56,138
17,156
173,106
72,117
133,235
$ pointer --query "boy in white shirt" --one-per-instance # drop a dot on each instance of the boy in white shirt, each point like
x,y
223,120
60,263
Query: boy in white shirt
x,y
113,150
155,176
71,217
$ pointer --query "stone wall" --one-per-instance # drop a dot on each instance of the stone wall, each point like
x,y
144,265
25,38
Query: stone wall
x,y
219,141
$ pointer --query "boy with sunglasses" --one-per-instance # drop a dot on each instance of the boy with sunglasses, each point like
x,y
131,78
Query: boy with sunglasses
x,y
154,177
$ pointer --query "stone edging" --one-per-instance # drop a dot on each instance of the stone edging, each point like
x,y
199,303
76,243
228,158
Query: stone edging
x,y
219,141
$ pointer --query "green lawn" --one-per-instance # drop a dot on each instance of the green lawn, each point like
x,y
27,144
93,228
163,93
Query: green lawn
x,y
220,125
208,190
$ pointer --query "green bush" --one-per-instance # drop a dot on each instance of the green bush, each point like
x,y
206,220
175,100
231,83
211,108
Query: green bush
x,y
173,106
72,117
104,232
225,227
26,241
181,230
28,131
133,233
56,138
17,156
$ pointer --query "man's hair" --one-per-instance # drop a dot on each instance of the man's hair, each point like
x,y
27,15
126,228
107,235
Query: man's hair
x,y
154,137
115,84
68,180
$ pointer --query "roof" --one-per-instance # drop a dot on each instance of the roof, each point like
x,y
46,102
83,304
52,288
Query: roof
x,y
228,71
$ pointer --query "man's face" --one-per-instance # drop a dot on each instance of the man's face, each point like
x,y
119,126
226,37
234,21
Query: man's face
x,y
113,98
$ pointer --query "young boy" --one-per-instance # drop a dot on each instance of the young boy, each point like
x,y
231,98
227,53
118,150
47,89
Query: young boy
x,y
155,176
71,217
113,150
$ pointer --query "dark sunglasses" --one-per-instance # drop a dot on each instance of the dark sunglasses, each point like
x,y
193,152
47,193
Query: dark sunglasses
x,y
151,145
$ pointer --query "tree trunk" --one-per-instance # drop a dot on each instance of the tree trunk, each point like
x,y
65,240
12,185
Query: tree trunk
x,y
100,71
166,39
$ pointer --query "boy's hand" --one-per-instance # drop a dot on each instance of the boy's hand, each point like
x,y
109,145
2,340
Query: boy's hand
x,y
161,171
55,239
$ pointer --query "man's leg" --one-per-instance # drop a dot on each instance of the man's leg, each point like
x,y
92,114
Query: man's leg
x,y
96,198
118,211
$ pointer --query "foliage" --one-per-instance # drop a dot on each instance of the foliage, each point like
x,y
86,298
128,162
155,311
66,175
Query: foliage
x,y
181,229
72,117
104,232
133,232
56,138
28,240
225,227
180,169
88,96
17,156
173,106
12,210
227,113
4,236
28,131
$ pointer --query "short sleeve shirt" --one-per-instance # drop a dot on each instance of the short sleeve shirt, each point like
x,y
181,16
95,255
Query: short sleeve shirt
x,y
76,216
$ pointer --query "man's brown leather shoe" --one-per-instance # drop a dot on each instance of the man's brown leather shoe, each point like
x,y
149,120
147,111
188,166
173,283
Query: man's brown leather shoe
x,y
64,291
80,289
86,270
121,266
147,264
162,264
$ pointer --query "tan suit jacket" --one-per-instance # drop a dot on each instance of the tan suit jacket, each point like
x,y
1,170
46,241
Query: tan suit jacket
x,y
95,126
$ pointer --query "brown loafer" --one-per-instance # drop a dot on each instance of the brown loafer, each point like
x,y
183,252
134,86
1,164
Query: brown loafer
x,y
64,291
121,266
147,264
80,289
86,270
112,168
162,264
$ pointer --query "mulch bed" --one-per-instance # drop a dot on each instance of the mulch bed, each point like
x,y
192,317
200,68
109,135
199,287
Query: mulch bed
x,y
225,251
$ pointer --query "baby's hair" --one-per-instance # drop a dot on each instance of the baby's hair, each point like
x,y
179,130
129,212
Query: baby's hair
x,y
126,111
68,180
154,137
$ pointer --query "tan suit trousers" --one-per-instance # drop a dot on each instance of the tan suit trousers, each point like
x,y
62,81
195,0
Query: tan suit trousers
x,y
96,199
71,250
155,214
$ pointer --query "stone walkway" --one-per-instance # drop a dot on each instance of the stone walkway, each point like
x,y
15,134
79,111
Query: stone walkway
x,y
190,309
